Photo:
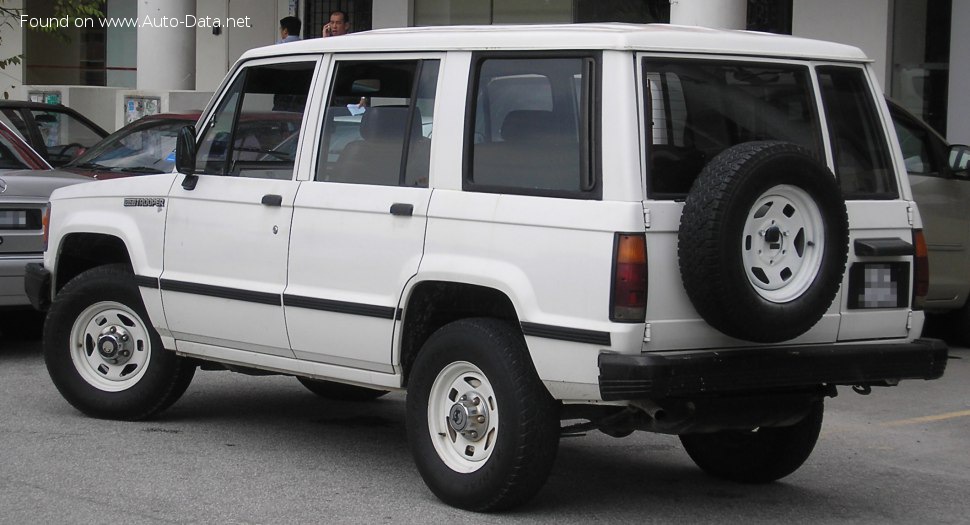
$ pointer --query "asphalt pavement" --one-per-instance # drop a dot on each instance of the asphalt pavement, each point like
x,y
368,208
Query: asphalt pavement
x,y
240,449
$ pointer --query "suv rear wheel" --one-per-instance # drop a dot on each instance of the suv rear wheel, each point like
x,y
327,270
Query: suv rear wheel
x,y
760,455
482,428
103,354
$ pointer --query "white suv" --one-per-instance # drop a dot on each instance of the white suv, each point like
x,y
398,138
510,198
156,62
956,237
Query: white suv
x,y
624,227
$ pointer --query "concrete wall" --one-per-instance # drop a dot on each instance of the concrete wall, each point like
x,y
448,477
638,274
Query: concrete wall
x,y
392,13
723,14
106,105
958,110
866,24
217,51
211,50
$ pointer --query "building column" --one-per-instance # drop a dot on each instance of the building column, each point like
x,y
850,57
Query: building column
x,y
723,14
958,105
166,55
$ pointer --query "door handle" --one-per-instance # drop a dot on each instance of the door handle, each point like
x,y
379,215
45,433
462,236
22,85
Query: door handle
x,y
272,200
399,208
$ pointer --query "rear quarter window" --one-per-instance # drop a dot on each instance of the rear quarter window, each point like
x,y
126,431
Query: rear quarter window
x,y
862,159
531,127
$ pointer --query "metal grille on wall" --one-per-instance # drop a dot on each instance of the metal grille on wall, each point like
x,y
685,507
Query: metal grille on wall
x,y
770,16
318,14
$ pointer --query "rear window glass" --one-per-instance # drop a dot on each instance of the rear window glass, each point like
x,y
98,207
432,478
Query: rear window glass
x,y
696,109
862,159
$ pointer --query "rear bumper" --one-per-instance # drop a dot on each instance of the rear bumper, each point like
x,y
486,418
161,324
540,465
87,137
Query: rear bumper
x,y
37,286
701,373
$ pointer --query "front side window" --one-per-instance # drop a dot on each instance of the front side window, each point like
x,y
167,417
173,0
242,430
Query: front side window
x,y
862,158
696,109
534,126
379,121
254,130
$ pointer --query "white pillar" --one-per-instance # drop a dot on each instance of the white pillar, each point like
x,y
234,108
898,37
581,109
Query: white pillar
x,y
958,105
723,14
166,55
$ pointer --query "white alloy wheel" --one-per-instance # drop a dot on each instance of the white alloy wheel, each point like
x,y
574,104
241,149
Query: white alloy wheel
x,y
782,243
110,346
463,417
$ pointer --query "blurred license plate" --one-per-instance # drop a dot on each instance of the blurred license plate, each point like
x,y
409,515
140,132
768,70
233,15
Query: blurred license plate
x,y
13,219
879,285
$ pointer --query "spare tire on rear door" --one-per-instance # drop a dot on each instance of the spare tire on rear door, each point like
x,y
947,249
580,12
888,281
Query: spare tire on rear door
x,y
763,241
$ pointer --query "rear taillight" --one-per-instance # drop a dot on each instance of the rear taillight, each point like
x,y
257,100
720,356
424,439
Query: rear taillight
x,y
629,294
46,222
921,270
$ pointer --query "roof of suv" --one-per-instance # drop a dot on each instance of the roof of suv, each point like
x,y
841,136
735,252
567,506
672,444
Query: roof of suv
x,y
654,37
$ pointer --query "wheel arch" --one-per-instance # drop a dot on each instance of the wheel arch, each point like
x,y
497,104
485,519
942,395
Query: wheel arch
x,y
432,304
81,251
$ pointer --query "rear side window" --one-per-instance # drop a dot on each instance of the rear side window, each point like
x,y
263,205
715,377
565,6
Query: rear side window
x,y
696,109
862,159
379,122
532,126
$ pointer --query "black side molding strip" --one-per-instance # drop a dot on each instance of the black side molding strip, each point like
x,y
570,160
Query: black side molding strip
x,y
342,307
146,282
883,247
221,292
574,335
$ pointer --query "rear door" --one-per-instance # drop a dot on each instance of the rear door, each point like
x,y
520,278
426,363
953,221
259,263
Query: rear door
x,y
359,224
877,288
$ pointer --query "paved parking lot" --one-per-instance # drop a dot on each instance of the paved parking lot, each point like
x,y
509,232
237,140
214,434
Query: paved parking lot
x,y
263,449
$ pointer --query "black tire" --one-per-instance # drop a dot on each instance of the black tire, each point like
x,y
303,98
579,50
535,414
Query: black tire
x,y
761,455
510,463
340,391
723,261
110,385
956,325
21,325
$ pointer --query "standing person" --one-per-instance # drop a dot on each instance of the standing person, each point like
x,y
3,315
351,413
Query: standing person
x,y
290,29
339,24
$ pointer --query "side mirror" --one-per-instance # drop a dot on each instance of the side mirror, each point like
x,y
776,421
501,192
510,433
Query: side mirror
x,y
185,157
959,159
185,151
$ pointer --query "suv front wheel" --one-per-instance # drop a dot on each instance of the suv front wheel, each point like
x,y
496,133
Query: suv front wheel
x,y
482,428
103,355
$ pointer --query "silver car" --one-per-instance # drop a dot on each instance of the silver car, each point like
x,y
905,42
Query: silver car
x,y
25,187
940,177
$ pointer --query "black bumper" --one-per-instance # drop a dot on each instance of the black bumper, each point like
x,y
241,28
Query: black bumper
x,y
37,286
713,372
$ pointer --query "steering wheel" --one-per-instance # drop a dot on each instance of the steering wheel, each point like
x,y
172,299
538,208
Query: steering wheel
x,y
62,153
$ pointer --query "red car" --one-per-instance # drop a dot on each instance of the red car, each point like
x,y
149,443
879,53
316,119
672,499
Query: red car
x,y
143,147
57,133
15,154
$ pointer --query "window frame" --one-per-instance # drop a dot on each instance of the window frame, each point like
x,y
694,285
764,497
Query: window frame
x,y
321,134
590,125
206,119
881,120
646,104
